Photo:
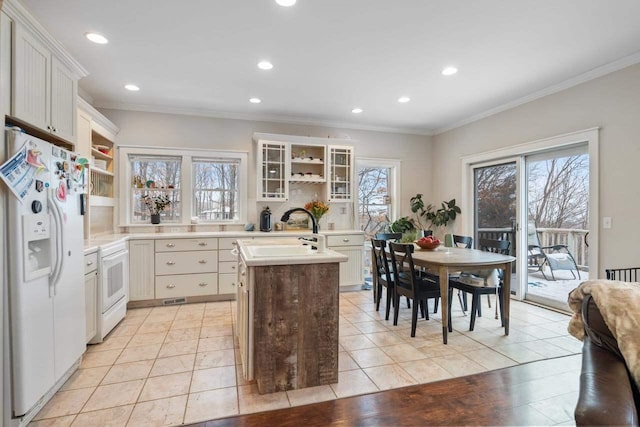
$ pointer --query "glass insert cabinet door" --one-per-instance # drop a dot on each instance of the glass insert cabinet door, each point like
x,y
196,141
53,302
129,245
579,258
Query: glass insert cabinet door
x,y
340,173
272,183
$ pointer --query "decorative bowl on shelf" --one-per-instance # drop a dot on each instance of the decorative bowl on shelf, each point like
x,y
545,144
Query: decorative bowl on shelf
x,y
428,245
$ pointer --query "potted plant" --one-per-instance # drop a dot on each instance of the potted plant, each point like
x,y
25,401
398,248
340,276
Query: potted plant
x,y
440,217
155,204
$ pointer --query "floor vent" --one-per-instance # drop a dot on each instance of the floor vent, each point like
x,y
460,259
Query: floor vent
x,y
174,301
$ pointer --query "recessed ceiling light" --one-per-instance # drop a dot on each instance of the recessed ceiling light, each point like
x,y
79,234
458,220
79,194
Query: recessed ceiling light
x,y
132,88
265,65
255,100
286,3
97,38
449,71
357,110
404,99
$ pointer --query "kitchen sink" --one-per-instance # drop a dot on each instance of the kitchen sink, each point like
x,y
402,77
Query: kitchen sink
x,y
280,251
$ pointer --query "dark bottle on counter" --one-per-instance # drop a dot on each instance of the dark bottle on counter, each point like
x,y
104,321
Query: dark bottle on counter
x,y
265,219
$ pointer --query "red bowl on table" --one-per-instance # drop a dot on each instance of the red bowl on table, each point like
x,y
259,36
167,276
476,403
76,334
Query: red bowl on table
x,y
427,245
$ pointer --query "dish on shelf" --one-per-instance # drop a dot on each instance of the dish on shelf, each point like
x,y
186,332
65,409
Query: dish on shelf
x,y
102,148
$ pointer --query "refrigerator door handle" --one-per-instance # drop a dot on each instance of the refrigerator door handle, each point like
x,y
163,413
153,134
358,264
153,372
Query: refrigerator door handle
x,y
55,213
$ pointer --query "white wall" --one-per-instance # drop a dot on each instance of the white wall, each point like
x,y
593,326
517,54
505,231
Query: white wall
x,y
611,102
168,130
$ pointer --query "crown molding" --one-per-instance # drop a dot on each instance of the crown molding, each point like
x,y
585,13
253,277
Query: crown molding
x,y
19,14
98,117
550,90
202,112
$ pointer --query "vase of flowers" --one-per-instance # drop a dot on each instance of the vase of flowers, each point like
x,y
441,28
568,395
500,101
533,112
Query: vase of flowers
x,y
317,209
155,204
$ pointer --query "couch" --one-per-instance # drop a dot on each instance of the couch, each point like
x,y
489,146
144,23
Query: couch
x,y
608,394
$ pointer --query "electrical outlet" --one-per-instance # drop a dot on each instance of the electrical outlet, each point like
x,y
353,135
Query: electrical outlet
x,y
175,229
606,222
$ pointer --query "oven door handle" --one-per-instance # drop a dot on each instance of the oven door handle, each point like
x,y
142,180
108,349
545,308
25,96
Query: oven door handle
x,y
114,256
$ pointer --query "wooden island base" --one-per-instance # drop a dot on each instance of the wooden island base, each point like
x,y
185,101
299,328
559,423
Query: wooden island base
x,y
296,326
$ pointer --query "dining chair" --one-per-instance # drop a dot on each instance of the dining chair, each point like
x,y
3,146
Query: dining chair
x,y
557,257
383,274
409,283
395,237
478,284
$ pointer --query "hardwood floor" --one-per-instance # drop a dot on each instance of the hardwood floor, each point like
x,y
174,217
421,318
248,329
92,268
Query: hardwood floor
x,y
537,393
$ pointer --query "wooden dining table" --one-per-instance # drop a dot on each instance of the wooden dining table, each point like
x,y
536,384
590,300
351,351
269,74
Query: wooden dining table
x,y
444,260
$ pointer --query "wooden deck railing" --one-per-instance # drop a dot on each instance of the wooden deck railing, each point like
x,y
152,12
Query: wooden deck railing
x,y
573,238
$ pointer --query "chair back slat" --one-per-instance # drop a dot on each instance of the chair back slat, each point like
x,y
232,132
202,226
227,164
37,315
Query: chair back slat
x,y
381,260
401,256
389,236
462,241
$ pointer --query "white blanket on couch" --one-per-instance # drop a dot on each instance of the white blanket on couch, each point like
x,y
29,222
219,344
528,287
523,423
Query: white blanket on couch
x,y
619,304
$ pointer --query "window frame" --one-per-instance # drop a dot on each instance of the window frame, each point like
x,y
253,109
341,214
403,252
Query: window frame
x,y
211,160
186,181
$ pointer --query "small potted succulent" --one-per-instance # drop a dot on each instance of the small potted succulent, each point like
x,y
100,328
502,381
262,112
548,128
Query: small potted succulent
x,y
155,204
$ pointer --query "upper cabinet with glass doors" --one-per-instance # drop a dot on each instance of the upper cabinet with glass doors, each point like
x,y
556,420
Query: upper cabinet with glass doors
x,y
303,163
340,181
273,184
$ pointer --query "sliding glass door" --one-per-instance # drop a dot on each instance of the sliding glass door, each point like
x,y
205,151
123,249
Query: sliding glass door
x,y
540,203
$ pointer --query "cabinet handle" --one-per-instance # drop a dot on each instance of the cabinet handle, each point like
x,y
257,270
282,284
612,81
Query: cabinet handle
x,y
202,243
171,286
54,129
89,262
171,245
202,261
202,284
48,127
233,267
171,262
345,240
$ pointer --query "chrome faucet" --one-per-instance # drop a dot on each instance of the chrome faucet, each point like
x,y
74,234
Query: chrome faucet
x,y
285,217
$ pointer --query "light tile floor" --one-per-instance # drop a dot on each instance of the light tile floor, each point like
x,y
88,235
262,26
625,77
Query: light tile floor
x,y
166,366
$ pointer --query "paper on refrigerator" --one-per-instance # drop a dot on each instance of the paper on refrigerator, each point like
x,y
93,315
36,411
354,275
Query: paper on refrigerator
x,y
20,170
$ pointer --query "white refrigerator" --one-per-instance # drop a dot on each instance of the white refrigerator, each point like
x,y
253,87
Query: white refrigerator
x,y
46,282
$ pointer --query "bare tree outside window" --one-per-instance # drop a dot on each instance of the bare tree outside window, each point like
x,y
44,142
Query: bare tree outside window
x,y
373,199
215,189
559,192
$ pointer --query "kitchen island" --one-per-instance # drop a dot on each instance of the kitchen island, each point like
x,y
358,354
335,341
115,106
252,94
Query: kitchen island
x,y
288,305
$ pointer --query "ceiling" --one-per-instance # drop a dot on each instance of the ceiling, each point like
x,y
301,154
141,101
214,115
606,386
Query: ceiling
x,y
330,56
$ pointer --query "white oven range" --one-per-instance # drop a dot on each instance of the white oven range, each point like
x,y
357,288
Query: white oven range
x,y
113,288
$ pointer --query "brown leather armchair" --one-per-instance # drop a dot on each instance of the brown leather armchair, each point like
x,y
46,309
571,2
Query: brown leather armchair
x,y
608,394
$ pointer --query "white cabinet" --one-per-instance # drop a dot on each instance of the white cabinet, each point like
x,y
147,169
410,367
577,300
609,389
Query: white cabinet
x,y
340,179
350,244
91,294
186,267
272,176
44,90
96,141
141,270
287,163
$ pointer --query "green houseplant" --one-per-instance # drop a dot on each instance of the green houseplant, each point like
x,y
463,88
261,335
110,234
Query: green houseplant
x,y
435,217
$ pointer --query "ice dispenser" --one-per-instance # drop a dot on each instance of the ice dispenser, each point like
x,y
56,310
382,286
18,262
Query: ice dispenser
x,y
37,245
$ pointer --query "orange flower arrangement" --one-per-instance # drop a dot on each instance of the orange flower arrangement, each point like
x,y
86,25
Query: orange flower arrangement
x,y
317,208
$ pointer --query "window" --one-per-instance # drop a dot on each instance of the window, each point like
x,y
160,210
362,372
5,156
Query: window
x,y
208,184
377,188
155,176
215,189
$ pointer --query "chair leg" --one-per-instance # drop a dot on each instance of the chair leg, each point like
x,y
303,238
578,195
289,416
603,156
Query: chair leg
x,y
500,296
378,296
408,303
449,302
396,307
478,304
489,300
423,310
463,304
475,307
414,318
435,305
389,298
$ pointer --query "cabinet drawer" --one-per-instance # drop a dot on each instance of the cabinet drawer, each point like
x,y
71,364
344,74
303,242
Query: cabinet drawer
x,y
228,267
186,262
227,256
228,242
186,285
173,245
227,283
345,240
90,262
